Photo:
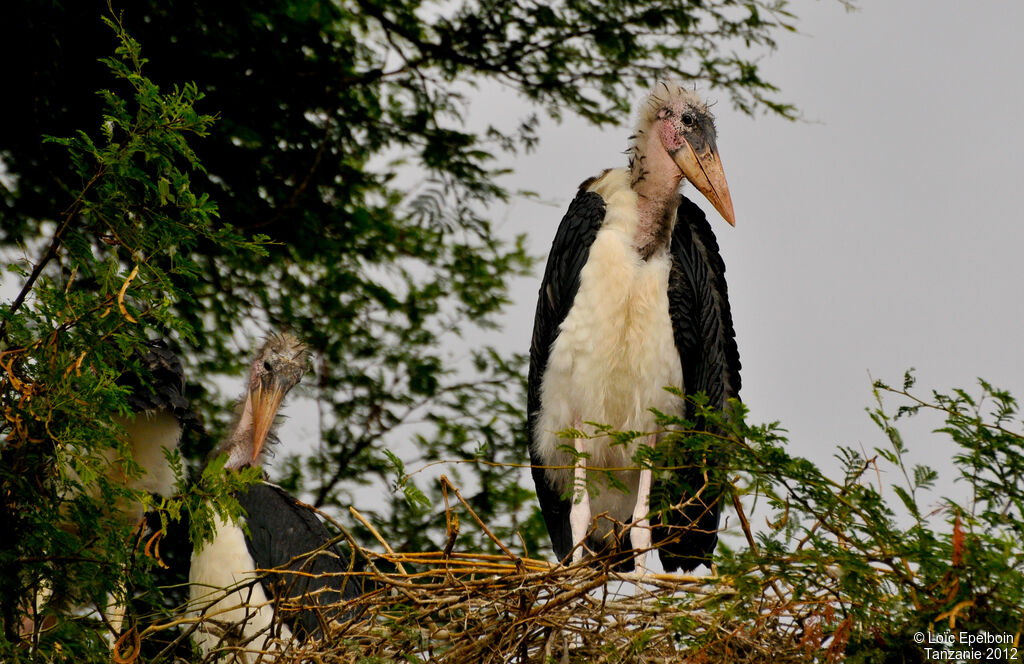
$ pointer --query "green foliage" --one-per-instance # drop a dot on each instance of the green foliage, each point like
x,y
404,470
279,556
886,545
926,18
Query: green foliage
x,y
851,569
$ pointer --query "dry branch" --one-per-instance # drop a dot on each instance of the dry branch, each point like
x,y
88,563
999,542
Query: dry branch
x,y
459,607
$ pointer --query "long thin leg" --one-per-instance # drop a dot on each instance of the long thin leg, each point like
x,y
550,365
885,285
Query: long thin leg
x,y
115,610
640,531
579,513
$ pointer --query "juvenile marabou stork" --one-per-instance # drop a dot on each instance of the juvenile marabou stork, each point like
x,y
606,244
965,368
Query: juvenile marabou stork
x,y
240,607
633,299
159,412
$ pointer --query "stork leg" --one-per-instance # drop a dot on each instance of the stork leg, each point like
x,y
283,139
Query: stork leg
x,y
579,513
640,530
116,610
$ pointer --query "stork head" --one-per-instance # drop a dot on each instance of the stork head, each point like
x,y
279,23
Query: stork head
x,y
278,367
686,129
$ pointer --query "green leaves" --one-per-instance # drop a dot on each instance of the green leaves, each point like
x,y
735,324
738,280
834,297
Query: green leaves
x,y
868,560
115,260
415,498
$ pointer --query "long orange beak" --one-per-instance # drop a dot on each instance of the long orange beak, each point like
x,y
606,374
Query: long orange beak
x,y
265,404
706,173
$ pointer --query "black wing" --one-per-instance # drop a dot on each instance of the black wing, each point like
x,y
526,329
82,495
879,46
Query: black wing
x,y
569,253
704,336
281,532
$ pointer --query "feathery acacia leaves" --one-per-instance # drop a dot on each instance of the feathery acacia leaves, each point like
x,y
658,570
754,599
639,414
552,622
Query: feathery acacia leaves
x,y
841,564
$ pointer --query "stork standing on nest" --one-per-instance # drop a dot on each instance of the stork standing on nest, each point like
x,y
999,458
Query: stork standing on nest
x,y
633,299
235,602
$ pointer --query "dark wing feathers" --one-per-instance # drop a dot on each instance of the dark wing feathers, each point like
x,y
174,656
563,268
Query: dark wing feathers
x,y
164,388
281,534
704,336
569,253
699,306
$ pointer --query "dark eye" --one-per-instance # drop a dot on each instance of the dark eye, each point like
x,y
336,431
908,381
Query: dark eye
x,y
267,367
688,120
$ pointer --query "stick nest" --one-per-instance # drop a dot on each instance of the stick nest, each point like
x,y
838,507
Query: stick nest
x,y
461,607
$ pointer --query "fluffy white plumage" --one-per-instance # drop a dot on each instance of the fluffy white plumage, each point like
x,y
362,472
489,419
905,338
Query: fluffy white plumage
x,y
150,433
227,595
614,353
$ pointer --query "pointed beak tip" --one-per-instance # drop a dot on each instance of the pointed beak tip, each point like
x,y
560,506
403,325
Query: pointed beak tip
x,y
722,202
257,445
730,218
708,176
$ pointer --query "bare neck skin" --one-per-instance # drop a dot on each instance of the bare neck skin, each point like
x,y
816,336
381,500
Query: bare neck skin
x,y
656,181
238,444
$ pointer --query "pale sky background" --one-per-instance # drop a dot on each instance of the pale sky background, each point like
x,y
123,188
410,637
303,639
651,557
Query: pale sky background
x,y
881,233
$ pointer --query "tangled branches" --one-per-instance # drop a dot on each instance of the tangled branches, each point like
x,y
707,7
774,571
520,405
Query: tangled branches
x,y
451,606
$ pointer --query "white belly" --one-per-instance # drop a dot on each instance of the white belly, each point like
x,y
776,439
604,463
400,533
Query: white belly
x,y
614,354
232,605
149,434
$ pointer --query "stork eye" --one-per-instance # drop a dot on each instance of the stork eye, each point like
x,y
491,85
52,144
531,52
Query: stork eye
x,y
688,120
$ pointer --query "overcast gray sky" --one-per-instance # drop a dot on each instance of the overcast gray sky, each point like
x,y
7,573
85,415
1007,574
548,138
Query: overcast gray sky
x,y
880,234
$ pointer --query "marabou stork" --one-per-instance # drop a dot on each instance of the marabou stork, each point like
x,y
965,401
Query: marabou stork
x,y
159,412
633,299
236,603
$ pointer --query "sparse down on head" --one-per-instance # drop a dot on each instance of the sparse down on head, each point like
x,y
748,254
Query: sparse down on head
x,y
678,121
278,367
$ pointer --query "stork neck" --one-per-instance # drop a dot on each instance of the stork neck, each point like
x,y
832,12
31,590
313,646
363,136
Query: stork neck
x,y
238,444
656,180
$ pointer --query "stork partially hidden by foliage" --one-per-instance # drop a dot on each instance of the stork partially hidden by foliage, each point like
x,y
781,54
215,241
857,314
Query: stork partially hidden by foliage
x,y
241,607
633,300
159,411
153,428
